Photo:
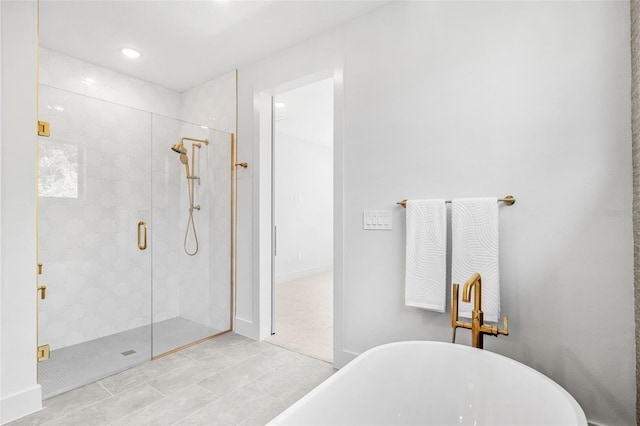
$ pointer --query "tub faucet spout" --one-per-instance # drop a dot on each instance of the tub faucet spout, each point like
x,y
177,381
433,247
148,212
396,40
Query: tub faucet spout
x,y
477,326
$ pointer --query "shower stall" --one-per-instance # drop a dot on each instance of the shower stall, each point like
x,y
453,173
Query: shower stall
x,y
136,243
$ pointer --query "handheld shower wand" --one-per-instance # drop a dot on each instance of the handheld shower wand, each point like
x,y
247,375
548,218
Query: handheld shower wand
x,y
184,159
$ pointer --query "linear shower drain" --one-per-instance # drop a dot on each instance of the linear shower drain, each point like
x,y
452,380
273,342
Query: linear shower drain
x,y
129,352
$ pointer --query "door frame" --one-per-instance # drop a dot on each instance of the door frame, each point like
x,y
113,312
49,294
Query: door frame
x,y
274,167
264,221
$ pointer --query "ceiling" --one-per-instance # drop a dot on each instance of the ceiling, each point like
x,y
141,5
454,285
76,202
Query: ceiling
x,y
185,43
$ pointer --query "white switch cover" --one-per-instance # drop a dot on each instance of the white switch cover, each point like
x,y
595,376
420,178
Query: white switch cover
x,y
376,219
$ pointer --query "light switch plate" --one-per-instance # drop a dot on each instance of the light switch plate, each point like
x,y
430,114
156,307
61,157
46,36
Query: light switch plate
x,y
376,219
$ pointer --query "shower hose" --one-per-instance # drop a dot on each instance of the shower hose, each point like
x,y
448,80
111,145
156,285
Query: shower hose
x,y
190,222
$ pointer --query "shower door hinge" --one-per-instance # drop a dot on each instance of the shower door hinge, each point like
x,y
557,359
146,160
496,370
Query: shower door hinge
x,y
43,128
43,353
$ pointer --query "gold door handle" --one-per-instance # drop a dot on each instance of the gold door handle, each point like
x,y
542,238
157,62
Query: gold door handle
x,y
142,232
43,291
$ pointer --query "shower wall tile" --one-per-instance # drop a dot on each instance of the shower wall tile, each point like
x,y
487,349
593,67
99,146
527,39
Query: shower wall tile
x,y
168,202
77,76
110,163
195,287
212,104
204,294
98,280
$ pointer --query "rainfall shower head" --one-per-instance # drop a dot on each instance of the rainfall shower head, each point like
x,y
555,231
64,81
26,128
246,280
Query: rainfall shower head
x,y
179,148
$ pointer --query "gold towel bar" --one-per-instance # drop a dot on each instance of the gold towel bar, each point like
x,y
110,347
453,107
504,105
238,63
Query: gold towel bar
x,y
509,200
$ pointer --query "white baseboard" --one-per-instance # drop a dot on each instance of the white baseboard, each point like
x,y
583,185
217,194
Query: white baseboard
x,y
246,328
342,358
301,273
20,404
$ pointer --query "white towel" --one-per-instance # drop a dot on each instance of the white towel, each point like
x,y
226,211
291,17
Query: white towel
x,y
474,229
426,271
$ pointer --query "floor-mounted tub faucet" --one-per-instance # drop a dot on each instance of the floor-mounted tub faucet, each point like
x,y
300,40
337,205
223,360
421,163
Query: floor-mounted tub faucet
x,y
478,327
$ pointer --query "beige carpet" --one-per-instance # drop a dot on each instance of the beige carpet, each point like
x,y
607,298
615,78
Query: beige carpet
x,y
304,316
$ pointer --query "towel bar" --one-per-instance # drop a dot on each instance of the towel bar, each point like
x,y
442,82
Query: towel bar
x,y
508,200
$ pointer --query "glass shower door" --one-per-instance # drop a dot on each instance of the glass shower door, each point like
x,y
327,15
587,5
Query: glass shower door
x,y
192,254
94,239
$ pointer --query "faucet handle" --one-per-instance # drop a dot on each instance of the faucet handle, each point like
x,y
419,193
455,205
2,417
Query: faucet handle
x,y
505,330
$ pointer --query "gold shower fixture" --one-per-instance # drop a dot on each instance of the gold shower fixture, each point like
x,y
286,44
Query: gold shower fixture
x,y
179,148
184,158
191,177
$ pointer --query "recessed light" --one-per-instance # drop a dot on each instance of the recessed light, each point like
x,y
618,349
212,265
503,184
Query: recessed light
x,y
130,53
279,104
88,81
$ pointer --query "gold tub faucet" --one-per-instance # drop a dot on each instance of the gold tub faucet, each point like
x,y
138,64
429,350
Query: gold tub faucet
x,y
477,326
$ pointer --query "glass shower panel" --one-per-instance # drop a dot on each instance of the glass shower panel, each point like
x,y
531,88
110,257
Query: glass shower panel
x,y
94,203
192,233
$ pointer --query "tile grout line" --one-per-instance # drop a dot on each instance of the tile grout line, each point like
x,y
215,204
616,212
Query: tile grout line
x,y
142,407
201,408
108,391
46,422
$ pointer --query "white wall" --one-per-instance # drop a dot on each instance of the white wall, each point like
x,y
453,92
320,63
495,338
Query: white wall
x,y
304,207
456,99
19,394
1,277
74,75
303,174
212,103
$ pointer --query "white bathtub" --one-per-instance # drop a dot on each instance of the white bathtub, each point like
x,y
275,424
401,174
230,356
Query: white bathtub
x,y
434,383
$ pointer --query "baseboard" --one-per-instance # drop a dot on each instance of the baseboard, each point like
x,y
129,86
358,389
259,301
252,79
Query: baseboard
x,y
294,275
246,328
342,358
21,404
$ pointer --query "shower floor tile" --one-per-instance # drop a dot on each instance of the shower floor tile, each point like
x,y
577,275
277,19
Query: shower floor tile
x,y
77,365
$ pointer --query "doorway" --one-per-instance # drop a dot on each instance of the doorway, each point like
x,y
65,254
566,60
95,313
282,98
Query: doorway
x,y
302,202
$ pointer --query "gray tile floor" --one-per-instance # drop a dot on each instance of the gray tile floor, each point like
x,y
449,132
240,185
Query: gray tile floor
x,y
230,380
86,362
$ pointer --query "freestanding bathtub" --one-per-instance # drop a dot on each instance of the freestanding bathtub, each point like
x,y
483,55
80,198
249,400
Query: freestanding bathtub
x,y
434,383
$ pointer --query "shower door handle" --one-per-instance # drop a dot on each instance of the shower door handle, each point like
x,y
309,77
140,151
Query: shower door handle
x,y
142,232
